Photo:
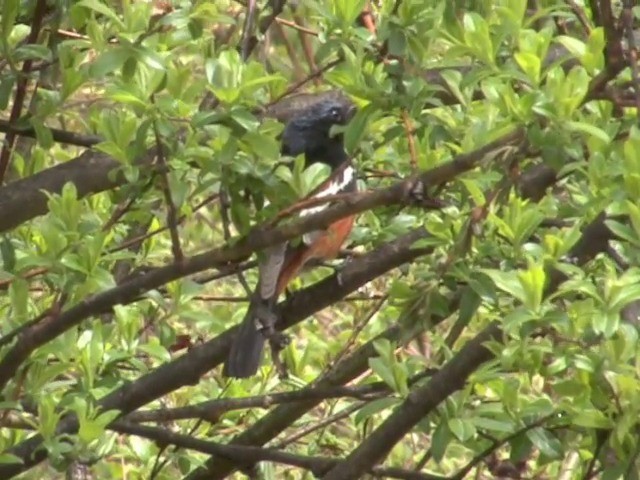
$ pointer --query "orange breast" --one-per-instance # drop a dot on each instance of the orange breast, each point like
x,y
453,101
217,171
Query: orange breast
x,y
324,247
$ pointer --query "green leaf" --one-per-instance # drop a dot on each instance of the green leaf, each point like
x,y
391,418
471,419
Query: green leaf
x,y
6,88
606,322
150,58
507,282
102,9
32,52
462,429
348,10
591,418
492,425
545,442
575,46
532,281
8,252
530,65
9,13
374,407
589,129
109,61
440,441
357,127
384,371
478,38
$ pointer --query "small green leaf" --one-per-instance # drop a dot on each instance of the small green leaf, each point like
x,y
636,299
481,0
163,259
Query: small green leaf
x,y
374,407
8,253
384,371
589,129
109,61
102,9
462,429
507,282
530,65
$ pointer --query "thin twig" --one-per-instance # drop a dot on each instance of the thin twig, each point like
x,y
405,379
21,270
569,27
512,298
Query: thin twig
x,y
311,202
308,50
247,29
172,214
303,432
226,228
308,78
124,207
212,409
497,443
298,71
626,20
300,28
358,329
132,241
250,455
580,15
21,88
408,130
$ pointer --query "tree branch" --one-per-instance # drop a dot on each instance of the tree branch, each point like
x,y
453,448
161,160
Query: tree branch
x,y
317,465
452,377
188,369
257,239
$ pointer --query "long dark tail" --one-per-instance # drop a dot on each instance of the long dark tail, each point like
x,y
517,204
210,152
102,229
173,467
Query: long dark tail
x,y
246,351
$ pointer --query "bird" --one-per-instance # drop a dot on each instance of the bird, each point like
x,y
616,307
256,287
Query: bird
x,y
308,133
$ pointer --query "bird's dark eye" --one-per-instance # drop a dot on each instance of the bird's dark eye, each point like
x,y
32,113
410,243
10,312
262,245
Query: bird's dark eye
x,y
335,113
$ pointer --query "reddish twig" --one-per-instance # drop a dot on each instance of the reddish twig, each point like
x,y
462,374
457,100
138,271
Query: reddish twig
x,y
300,28
408,129
308,78
298,71
308,50
21,89
4,284
580,15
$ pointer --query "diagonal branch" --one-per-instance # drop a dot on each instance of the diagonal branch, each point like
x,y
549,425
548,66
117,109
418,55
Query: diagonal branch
x,y
317,465
257,239
452,377
188,369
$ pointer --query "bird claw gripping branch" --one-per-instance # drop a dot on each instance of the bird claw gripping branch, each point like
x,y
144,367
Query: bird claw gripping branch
x,y
308,133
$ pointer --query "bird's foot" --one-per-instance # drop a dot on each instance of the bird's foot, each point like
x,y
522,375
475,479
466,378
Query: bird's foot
x,y
277,340
416,194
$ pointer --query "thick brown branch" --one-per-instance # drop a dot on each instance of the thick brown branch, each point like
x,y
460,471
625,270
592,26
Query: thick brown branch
x,y
214,408
200,359
419,403
317,465
450,378
257,239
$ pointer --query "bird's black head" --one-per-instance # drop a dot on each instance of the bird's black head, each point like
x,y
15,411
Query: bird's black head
x,y
309,132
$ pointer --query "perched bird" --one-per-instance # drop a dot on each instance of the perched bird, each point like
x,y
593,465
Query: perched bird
x,y
308,133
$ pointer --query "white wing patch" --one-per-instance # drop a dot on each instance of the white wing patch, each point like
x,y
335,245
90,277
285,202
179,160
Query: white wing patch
x,y
336,186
